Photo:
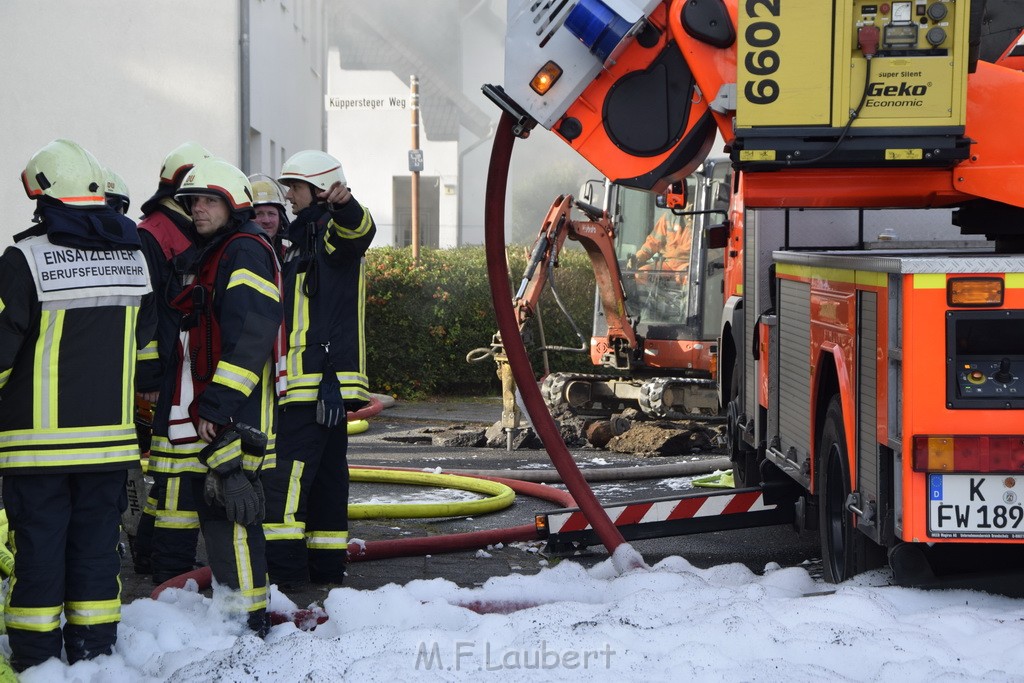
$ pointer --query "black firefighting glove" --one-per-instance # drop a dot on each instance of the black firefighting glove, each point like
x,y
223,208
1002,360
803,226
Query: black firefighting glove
x,y
242,500
330,408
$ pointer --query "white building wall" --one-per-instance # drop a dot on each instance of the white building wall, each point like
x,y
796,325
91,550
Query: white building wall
x,y
370,131
288,49
129,84
130,81
483,61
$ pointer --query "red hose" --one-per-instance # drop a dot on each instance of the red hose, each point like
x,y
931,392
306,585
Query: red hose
x,y
201,576
512,341
369,410
413,547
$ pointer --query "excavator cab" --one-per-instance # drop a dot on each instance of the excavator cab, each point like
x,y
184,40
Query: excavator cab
x,y
656,249
671,264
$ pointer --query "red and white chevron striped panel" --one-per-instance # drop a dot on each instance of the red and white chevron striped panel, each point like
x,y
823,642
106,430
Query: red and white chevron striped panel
x,y
665,510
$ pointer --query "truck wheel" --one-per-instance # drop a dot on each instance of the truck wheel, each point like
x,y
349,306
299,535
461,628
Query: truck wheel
x,y
744,460
845,551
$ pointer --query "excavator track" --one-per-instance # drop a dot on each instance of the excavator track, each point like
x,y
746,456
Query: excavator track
x,y
602,396
574,392
677,398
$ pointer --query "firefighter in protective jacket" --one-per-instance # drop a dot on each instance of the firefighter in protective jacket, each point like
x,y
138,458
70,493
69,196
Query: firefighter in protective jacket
x,y
268,200
307,494
165,544
222,388
74,309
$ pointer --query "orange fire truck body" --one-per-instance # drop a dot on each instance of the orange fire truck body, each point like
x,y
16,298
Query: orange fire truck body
x,y
884,379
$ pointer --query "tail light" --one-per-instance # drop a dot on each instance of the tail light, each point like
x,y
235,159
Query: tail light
x,y
969,453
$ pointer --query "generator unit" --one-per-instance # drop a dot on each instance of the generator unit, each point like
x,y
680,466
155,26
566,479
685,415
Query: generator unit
x,y
890,91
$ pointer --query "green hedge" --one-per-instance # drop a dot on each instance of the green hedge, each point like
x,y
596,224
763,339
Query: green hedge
x,y
422,321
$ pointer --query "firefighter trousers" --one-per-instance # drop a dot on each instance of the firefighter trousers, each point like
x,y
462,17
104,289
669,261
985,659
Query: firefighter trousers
x,y
64,531
307,500
237,556
165,544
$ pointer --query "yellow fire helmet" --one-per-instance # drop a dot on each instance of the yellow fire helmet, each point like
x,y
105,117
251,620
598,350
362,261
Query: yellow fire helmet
x,y
317,168
181,159
218,178
65,171
265,190
116,191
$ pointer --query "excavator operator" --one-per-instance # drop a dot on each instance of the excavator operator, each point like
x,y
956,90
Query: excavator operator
x,y
670,241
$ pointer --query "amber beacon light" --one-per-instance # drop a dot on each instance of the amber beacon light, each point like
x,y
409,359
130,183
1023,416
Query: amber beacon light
x,y
975,291
545,78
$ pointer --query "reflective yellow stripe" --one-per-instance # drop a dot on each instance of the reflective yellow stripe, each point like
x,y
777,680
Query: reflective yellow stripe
x,y
81,457
290,528
929,280
131,316
47,353
175,459
176,519
269,415
235,377
171,516
300,327
353,386
251,463
255,597
150,352
327,540
226,455
69,446
351,234
2,306
872,279
92,612
66,437
1014,280
284,532
298,396
4,376
172,492
37,619
244,276
291,502
817,272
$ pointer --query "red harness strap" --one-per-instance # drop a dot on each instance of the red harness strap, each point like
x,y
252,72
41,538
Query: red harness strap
x,y
201,333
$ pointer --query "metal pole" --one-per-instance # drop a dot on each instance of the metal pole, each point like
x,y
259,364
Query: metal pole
x,y
245,116
415,202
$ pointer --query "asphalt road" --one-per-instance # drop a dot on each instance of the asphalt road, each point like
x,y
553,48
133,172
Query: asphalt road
x,y
404,436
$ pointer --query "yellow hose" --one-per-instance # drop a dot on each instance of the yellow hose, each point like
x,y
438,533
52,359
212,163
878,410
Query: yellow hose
x,y
499,495
358,426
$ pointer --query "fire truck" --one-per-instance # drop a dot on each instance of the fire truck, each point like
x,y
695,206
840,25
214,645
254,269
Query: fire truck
x,y
873,394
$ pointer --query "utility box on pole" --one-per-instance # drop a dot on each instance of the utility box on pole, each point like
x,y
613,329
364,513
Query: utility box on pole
x,y
415,165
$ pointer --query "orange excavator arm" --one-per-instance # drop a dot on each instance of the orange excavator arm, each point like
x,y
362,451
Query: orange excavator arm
x,y
597,237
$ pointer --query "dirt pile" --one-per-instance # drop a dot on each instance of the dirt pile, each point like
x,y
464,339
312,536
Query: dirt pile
x,y
620,435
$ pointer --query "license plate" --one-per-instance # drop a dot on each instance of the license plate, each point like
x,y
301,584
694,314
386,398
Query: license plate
x,y
975,505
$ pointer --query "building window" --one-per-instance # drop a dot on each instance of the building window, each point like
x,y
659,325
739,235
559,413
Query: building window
x,y
430,210
255,150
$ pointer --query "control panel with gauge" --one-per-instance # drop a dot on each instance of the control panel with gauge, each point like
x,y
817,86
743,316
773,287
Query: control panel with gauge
x,y
986,360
